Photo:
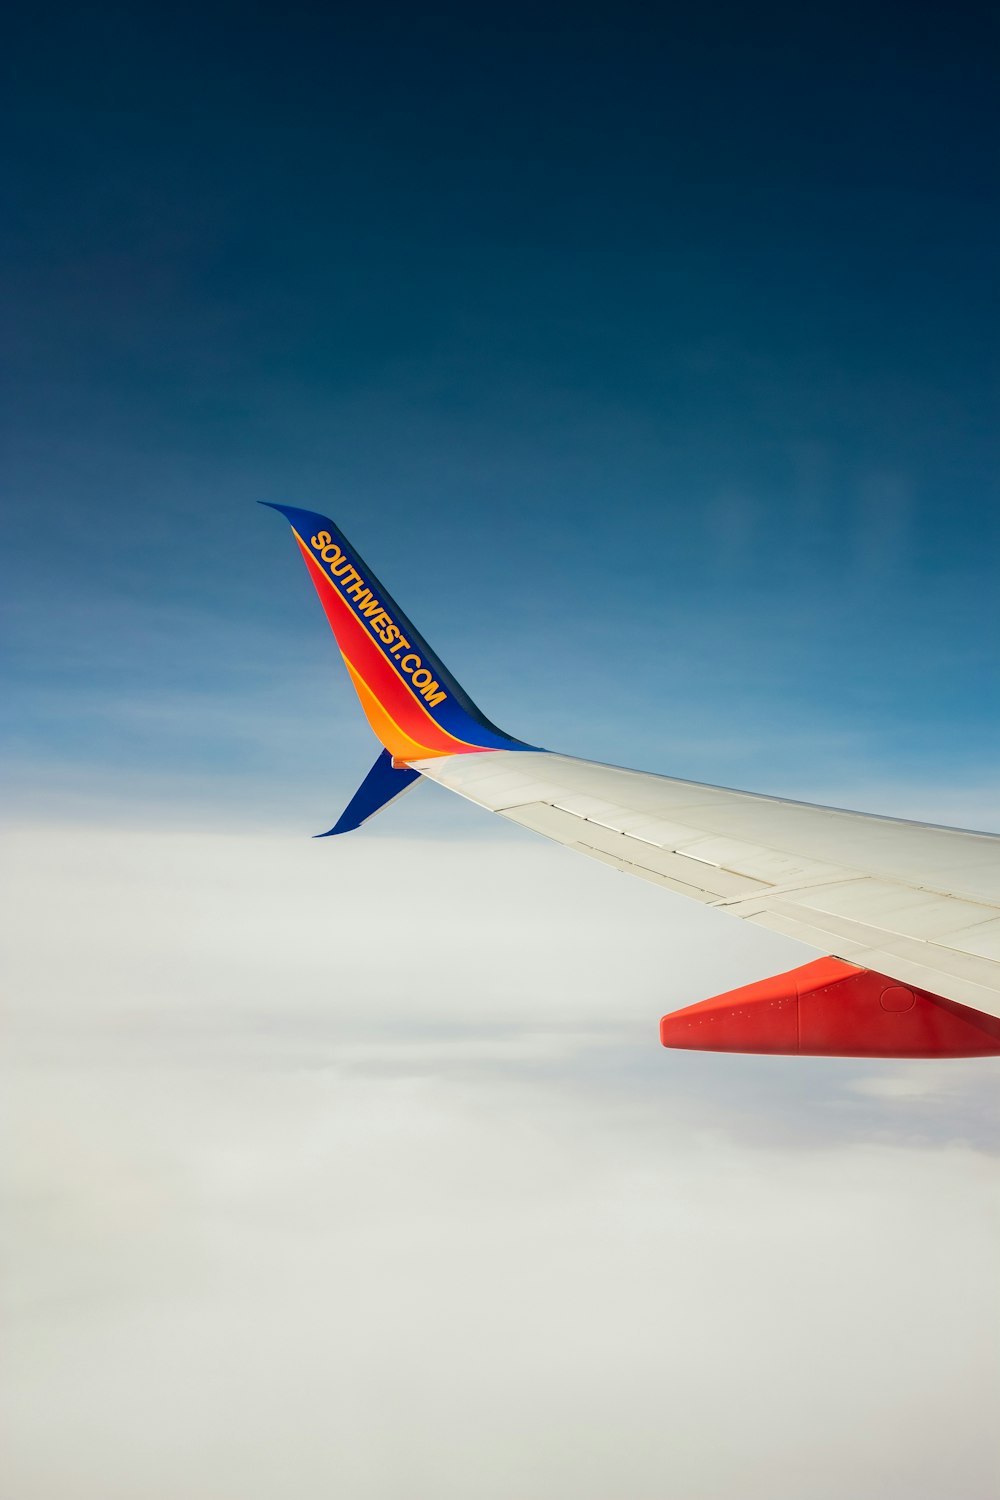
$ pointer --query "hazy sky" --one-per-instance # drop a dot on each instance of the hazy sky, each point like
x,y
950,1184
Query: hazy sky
x,y
651,360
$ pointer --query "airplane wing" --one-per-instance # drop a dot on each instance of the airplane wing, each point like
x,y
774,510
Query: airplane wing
x,y
907,914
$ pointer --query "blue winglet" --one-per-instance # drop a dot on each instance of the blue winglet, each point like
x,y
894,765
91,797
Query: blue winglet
x,y
383,784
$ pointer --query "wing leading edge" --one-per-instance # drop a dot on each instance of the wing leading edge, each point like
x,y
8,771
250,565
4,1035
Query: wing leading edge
x,y
915,906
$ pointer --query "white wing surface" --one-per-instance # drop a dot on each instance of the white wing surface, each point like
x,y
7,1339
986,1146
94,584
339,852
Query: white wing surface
x,y
918,903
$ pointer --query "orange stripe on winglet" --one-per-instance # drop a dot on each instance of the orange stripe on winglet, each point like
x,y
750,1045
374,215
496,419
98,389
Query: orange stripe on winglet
x,y
399,744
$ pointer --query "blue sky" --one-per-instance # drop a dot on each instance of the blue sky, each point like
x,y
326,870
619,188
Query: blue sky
x,y
650,360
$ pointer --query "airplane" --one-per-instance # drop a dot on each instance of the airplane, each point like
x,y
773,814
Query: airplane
x,y
905,914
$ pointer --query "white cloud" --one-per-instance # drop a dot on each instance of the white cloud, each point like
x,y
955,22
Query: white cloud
x,y
356,1168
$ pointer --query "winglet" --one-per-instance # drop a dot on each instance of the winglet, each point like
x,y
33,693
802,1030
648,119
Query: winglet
x,y
411,700
383,784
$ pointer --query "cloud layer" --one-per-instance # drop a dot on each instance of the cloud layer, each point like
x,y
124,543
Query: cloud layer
x,y
357,1168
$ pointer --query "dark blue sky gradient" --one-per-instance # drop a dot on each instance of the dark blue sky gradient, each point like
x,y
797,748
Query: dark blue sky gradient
x,y
649,356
